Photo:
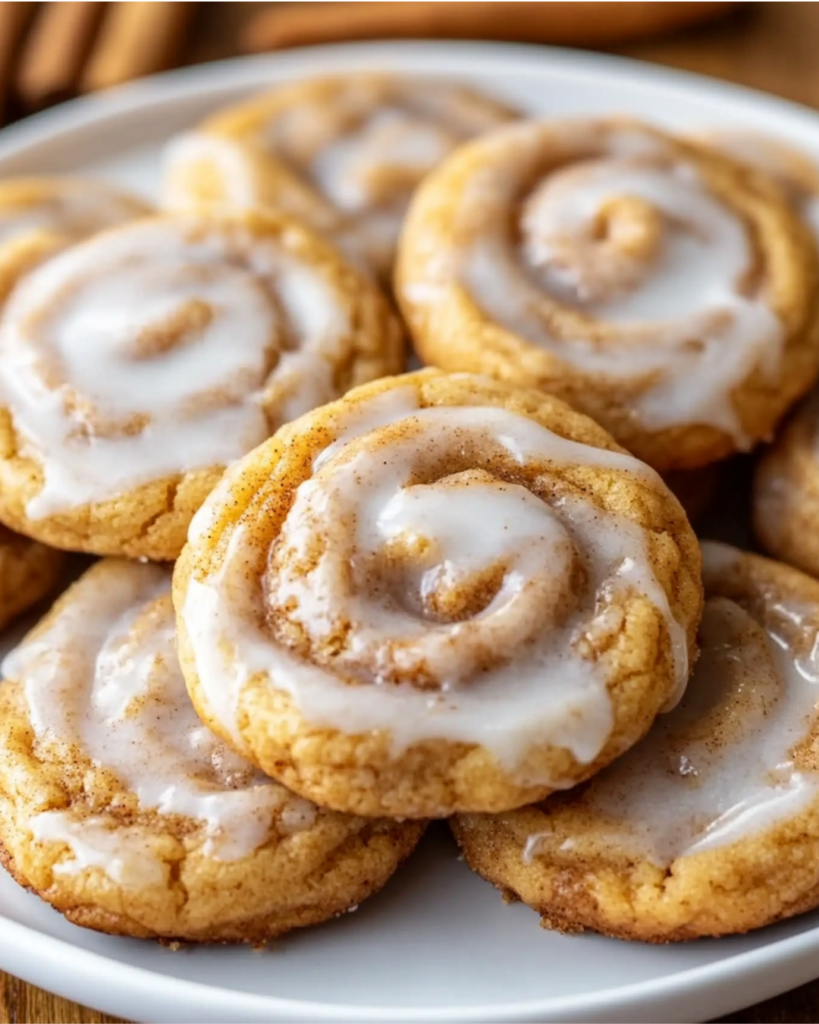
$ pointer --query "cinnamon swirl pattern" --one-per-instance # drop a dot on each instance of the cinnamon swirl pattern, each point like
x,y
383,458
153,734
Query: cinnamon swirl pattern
x,y
343,154
437,594
796,172
664,289
121,809
136,365
40,216
710,825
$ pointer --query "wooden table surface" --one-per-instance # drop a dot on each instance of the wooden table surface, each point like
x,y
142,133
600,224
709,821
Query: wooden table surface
x,y
770,46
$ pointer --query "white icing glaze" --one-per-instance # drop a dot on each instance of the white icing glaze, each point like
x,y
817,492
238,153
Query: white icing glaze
x,y
531,847
624,237
162,348
369,171
356,154
510,676
69,208
380,411
795,171
241,180
720,767
184,152
103,677
372,143
123,853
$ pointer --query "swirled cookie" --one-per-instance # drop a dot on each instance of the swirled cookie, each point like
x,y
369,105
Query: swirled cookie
x,y
786,491
28,572
795,171
136,365
119,808
343,154
786,484
710,825
40,216
660,287
439,593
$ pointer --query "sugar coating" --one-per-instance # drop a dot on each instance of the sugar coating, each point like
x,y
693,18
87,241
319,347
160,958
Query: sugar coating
x,y
676,838
39,216
103,679
131,797
430,582
651,282
138,364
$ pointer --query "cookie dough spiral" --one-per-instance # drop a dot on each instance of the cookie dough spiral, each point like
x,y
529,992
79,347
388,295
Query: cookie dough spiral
x,y
660,287
40,216
122,810
342,153
136,365
794,170
709,825
438,593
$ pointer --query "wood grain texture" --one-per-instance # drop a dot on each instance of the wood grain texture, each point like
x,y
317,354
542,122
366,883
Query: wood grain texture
x,y
136,39
770,46
21,1003
55,50
15,20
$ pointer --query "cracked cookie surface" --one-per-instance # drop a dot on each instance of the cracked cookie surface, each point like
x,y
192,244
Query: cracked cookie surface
x,y
123,811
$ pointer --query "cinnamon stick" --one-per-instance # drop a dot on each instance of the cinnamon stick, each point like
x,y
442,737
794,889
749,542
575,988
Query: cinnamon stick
x,y
55,51
576,24
136,39
14,20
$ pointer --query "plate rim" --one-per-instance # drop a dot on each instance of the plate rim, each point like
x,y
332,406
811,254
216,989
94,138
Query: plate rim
x,y
76,965
184,992
518,59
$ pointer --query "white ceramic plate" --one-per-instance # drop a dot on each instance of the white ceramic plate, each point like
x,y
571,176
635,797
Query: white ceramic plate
x,y
438,944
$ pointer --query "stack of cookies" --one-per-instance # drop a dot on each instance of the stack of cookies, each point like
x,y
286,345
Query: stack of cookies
x,y
336,599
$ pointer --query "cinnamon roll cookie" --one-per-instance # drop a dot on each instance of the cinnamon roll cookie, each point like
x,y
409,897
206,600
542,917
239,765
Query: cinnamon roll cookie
x,y
119,807
40,216
28,572
342,153
437,594
664,289
137,364
796,172
786,491
710,825
786,484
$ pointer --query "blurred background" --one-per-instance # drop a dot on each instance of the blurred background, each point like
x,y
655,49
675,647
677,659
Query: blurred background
x,y
50,52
